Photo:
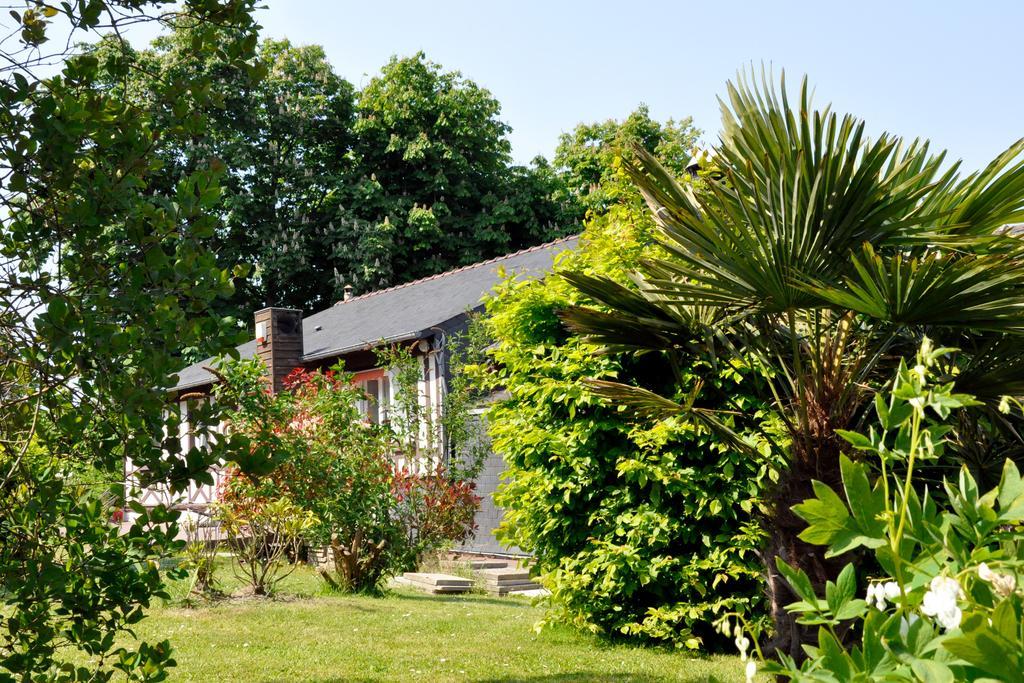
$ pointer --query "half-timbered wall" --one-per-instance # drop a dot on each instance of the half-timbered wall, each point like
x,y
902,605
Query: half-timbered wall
x,y
379,406
197,497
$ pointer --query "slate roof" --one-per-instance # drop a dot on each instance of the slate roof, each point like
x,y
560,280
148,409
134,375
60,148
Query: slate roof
x,y
402,312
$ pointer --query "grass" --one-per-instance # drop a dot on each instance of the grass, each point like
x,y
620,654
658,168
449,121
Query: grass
x,y
307,635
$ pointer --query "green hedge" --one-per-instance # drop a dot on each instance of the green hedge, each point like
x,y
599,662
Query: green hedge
x,y
638,530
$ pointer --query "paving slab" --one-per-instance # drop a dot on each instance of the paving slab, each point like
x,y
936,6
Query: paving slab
x,y
431,579
435,583
504,574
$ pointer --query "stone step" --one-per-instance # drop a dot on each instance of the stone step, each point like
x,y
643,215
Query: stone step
x,y
439,580
401,581
531,593
504,574
488,564
514,590
504,588
437,583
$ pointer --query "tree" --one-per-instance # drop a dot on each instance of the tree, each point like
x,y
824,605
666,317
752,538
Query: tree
x,y
105,275
327,187
440,187
586,157
284,132
826,256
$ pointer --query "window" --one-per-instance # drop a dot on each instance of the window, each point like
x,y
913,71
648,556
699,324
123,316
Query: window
x,y
377,387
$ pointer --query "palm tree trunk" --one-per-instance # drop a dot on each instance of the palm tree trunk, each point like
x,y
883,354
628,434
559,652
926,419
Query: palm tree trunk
x,y
784,529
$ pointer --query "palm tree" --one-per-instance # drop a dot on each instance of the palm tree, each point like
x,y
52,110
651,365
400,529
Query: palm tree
x,y
823,257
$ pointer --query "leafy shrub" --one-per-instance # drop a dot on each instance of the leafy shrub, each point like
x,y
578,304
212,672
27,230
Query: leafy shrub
x,y
434,509
265,535
62,592
373,520
199,558
640,531
949,605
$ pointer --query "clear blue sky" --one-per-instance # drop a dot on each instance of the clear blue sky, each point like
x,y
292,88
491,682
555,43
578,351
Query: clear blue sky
x,y
949,71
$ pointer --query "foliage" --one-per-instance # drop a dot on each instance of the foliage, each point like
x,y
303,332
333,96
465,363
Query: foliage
x,y
328,187
106,276
441,447
374,519
638,530
328,462
265,535
66,592
463,431
441,182
825,257
284,132
952,609
587,156
199,557
434,508
445,436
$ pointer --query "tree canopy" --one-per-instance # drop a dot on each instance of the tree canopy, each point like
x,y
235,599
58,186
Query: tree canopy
x,y
106,275
328,187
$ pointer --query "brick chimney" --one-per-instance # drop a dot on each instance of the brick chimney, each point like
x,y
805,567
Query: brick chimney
x,y
279,343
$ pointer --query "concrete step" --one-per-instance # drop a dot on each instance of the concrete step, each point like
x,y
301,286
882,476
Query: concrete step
x,y
503,574
473,565
528,589
488,564
437,583
531,593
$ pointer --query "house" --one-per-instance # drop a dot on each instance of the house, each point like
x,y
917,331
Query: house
x,y
424,314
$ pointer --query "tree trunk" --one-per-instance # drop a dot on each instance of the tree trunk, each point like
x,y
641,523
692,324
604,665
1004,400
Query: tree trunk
x,y
784,528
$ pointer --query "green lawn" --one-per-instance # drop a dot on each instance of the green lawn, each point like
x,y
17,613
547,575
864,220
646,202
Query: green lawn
x,y
405,636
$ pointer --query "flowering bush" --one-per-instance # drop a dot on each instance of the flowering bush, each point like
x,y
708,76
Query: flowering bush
x,y
434,509
949,606
373,520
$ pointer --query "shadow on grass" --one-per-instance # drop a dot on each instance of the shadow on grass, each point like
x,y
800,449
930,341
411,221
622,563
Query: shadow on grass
x,y
456,598
592,677
575,677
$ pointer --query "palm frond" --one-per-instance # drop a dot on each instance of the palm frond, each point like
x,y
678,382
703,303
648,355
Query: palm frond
x,y
942,289
648,405
994,369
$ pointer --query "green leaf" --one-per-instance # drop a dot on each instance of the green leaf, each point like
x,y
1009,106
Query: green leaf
x,y
987,650
845,587
866,504
798,581
826,515
930,671
1011,494
857,440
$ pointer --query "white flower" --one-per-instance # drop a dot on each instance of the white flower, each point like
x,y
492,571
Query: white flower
x,y
940,602
880,593
742,643
1002,584
751,670
872,592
